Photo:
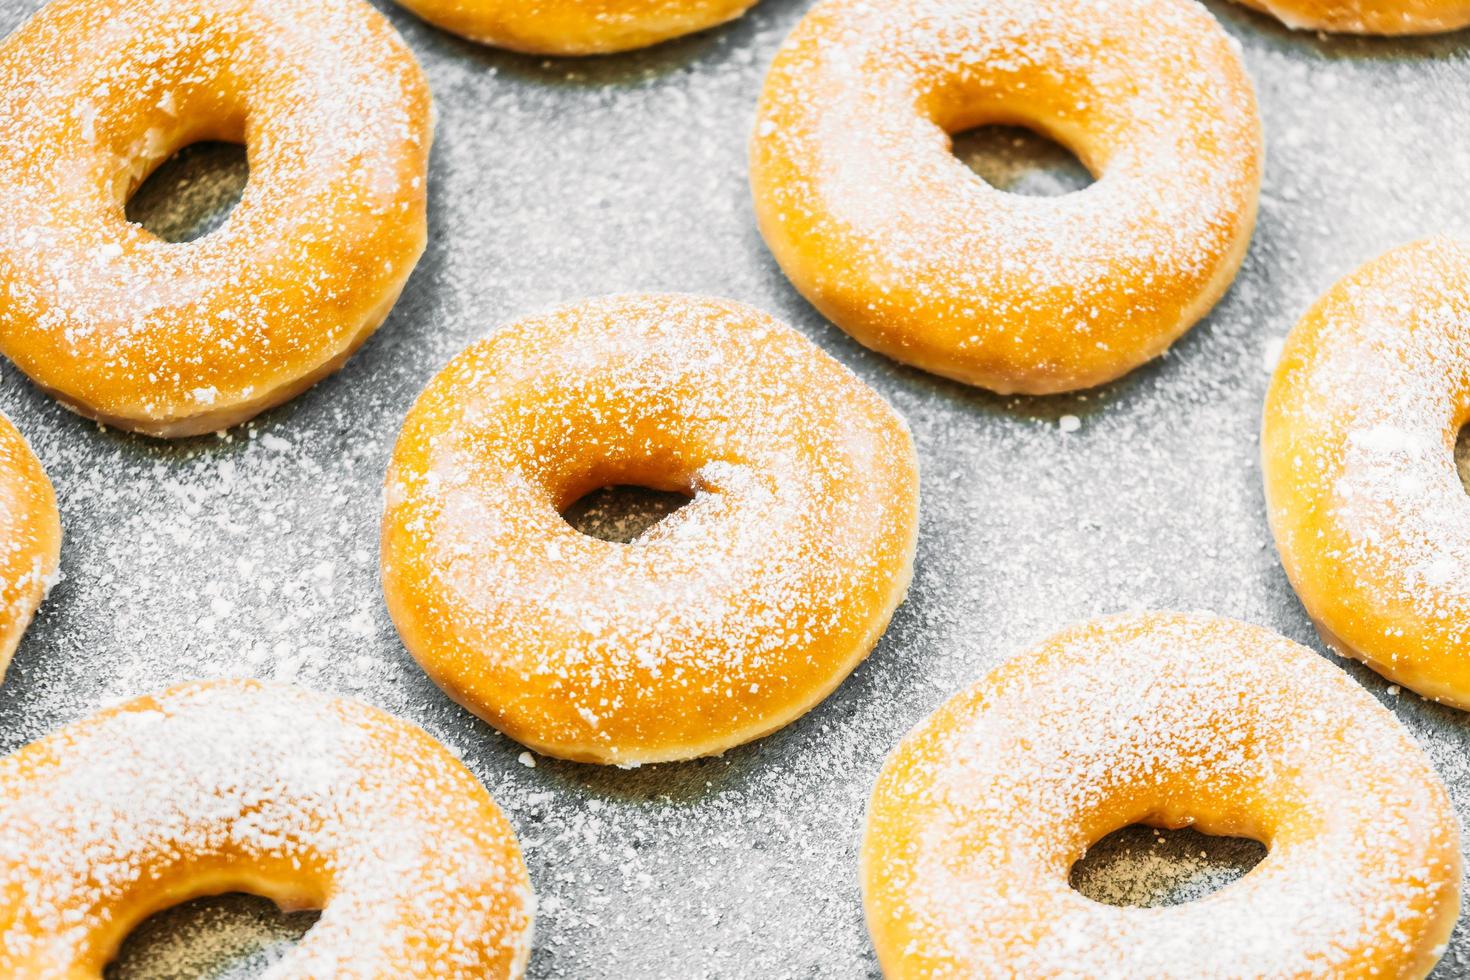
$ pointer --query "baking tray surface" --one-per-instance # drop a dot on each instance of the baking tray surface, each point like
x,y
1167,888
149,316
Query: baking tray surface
x,y
255,553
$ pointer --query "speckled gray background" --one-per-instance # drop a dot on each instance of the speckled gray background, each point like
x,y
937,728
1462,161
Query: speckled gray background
x,y
554,180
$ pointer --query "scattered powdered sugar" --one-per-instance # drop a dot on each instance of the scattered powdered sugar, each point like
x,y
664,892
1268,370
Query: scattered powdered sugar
x,y
236,937
622,513
230,783
1271,353
1018,160
556,180
192,193
1148,867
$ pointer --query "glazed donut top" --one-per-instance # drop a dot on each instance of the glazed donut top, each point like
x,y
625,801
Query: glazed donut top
x,y
148,334
1166,719
1358,453
241,785
720,623
854,177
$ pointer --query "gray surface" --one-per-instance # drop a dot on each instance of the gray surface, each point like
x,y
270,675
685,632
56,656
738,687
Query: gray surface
x,y
556,180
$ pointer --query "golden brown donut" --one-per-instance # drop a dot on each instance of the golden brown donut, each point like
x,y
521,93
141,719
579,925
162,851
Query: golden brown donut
x,y
575,27
722,623
30,538
175,339
1357,450
1368,16
878,224
225,786
1170,720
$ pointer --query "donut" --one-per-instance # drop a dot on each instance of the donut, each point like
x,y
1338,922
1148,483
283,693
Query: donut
x,y
720,624
893,239
223,786
1357,451
30,538
1170,720
176,339
1368,16
575,27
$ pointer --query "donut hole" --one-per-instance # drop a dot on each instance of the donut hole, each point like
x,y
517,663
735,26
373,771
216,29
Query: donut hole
x,y
1020,160
233,935
1149,867
192,192
617,488
1462,456
622,513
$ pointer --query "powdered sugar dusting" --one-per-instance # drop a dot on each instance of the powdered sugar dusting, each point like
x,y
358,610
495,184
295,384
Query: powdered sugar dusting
x,y
1361,426
1176,719
234,937
182,338
234,782
881,227
746,605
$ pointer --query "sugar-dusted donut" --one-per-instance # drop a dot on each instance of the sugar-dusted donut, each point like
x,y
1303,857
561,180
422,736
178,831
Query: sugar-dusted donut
x,y
575,27
246,786
30,538
175,339
1170,720
1368,16
880,226
1357,450
723,622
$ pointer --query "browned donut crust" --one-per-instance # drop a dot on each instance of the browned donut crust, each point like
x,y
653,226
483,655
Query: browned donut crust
x,y
1387,17
30,538
575,27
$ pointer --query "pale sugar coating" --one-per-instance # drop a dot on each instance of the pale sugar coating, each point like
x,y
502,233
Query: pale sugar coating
x,y
877,223
720,624
221,786
30,538
177,339
1169,719
1369,513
